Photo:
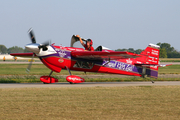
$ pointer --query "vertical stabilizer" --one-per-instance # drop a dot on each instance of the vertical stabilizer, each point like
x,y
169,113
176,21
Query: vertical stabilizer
x,y
151,54
150,61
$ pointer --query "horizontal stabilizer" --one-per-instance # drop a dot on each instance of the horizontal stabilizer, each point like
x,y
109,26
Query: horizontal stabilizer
x,y
164,65
149,65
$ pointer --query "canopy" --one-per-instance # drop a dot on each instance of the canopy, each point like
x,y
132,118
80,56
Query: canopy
x,y
75,39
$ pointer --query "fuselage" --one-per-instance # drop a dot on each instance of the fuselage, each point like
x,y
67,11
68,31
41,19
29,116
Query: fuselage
x,y
58,57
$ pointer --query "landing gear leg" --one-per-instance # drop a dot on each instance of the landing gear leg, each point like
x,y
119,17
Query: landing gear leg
x,y
50,73
49,76
69,74
152,81
143,72
68,70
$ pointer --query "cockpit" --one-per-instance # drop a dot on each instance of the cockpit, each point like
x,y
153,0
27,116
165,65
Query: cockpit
x,y
76,43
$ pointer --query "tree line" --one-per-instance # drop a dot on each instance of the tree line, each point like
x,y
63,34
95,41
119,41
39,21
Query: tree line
x,y
166,50
14,49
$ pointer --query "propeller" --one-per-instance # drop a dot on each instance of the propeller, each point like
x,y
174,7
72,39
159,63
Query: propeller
x,y
33,40
44,45
31,34
29,66
35,47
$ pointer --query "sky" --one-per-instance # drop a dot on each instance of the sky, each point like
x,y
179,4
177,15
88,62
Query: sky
x,y
115,24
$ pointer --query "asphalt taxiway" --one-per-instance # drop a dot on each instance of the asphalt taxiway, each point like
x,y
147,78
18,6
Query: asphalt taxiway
x,y
88,84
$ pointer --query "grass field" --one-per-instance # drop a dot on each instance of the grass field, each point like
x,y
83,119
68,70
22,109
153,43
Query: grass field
x,y
40,69
173,69
143,102
37,69
169,59
16,73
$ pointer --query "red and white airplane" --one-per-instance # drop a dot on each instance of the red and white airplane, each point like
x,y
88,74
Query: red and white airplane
x,y
102,60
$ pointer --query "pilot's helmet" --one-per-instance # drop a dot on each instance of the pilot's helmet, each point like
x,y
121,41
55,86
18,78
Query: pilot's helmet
x,y
89,40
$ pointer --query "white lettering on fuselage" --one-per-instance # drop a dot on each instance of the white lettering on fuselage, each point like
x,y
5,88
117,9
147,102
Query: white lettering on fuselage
x,y
113,65
152,59
121,66
129,68
155,52
62,53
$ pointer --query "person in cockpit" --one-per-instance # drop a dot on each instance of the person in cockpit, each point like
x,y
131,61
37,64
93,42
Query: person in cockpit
x,y
88,45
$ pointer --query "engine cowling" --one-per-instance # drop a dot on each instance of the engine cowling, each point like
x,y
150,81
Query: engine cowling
x,y
48,79
74,79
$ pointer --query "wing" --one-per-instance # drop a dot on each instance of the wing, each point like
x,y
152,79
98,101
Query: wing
x,y
103,55
29,55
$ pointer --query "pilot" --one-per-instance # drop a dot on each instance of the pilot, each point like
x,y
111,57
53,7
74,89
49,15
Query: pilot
x,y
88,45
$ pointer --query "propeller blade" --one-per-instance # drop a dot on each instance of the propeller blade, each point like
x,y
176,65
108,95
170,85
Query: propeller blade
x,y
31,34
29,66
44,45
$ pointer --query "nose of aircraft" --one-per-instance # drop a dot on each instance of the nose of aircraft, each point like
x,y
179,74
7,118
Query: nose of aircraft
x,y
33,47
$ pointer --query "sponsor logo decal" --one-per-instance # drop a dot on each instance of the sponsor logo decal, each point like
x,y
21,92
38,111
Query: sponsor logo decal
x,y
129,61
61,60
75,79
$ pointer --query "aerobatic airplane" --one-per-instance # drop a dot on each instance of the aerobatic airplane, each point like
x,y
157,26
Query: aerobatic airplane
x,y
102,60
